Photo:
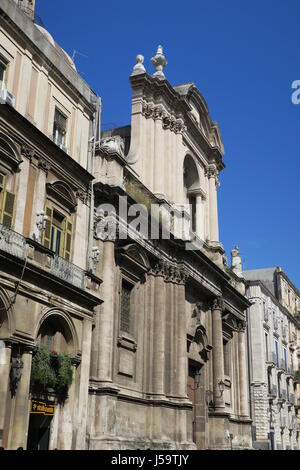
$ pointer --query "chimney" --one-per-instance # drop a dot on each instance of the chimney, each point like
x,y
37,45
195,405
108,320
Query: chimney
x,y
27,6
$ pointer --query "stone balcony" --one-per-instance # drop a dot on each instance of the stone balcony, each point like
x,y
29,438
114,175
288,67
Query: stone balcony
x,y
291,398
271,358
273,391
16,245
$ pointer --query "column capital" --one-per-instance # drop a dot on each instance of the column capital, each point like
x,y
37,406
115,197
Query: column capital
x,y
241,326
169,271
218,304
211,171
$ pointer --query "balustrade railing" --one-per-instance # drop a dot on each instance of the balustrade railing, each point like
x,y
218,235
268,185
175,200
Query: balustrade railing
x,y
14,244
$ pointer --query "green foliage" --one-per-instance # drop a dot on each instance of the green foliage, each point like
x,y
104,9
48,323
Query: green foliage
x,y
64,375
51,370
42,374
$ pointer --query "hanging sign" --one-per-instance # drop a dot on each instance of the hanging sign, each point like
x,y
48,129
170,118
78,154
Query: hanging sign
x,y
41,408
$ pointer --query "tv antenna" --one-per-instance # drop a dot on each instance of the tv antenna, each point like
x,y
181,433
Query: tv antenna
x,y
78,53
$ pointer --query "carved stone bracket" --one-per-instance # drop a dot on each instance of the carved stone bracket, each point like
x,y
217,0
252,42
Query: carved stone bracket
x,y
15,374
81,195
44,165
218,304
169,121
27,152
241,325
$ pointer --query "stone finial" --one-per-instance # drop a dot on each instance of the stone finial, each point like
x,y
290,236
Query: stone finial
x,y
159,62
236,261
139,67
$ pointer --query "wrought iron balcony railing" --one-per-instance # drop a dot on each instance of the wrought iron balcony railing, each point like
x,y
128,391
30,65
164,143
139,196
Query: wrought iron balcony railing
x,y
67,271
14,244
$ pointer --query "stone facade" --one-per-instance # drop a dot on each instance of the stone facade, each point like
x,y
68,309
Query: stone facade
x,y
172,374
154,325
272,340
47,294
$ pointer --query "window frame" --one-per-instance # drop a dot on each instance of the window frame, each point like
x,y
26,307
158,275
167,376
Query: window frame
x,y
55,131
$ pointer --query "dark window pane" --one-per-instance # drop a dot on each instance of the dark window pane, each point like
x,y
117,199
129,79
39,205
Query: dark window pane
x,y
125,307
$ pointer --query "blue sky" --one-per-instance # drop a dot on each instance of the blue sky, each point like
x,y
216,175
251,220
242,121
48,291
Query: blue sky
x,y
243,56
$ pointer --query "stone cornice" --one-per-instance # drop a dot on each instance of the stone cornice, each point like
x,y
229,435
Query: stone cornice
x,y
43,149
153,91
55,61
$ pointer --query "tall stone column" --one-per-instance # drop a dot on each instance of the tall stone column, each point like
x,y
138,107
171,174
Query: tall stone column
x,y
242,371
200,216
158,380
159,154
83,387
5,354
105,337
21,411
182,358
213,203
218,361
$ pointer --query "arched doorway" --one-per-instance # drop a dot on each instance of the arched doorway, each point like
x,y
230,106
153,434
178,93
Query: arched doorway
x,y
198,351
54,343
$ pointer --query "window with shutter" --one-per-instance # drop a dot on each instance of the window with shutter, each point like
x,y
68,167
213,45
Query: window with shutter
x,y
8,208
2,186
2,70
68,239
59,127
46,241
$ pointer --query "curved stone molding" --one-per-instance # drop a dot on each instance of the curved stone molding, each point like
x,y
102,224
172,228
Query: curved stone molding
x,y
62,192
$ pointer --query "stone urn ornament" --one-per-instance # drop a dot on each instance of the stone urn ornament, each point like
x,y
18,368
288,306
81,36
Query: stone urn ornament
x,y
159,61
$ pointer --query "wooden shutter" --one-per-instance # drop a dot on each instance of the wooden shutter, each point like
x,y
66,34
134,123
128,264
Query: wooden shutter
x,y
68,232
47,232
8,208
2,186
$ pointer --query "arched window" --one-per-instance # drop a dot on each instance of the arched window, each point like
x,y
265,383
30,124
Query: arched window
x,y
191,182
54,334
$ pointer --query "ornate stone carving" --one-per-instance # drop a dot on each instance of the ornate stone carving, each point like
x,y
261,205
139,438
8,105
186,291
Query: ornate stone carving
x,y
218,304
169,121
81,195
241,325
27,152
147,109
159,62
44,165
112,146
158,112
15,374
211,171
139,67
170,272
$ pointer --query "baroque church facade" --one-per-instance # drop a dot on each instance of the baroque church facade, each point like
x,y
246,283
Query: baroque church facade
x,y
149,326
